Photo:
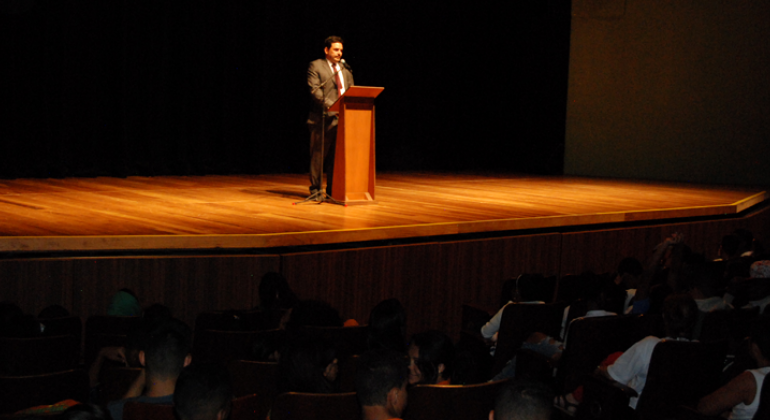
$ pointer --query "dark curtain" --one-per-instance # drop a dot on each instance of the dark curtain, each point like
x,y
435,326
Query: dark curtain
x,y
124,88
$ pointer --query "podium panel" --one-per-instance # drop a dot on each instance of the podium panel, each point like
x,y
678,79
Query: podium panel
x,y
354,166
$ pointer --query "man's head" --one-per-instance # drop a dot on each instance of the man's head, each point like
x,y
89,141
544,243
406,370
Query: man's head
x,y
167,350
203,392
680,313
629,273
333,49
381,381
523,400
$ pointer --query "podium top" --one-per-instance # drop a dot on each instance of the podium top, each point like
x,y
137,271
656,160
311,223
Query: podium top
x,y
357,92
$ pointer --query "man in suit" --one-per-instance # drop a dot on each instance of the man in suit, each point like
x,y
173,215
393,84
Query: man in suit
x,y
339,78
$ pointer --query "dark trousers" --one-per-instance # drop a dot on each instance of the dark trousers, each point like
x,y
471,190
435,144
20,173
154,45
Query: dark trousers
x,y
316,155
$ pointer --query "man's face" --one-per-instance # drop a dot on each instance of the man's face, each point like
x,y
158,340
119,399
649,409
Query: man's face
x,y
334,53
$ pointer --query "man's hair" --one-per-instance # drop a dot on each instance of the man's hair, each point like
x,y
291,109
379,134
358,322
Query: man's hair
x,y
680,313
379,371
331,40
168,344
522,399
202,391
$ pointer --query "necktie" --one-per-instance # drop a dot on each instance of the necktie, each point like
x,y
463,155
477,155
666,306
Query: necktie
x,y
337,79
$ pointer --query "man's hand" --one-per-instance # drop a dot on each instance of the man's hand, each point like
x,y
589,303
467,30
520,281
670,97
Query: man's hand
x,y
116,354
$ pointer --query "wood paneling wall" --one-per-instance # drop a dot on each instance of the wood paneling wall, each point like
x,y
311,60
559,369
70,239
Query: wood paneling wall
x,y
187,285
432,280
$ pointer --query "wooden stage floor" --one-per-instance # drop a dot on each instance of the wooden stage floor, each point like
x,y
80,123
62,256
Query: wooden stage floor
x,y
237,212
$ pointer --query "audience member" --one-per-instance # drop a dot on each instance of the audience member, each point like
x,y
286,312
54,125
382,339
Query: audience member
x,y
275,293
597,293
704,283
759,290
308,364
203,392
523,400
431,356
381,382
124,303
524,291
630,367
741,395
387,326
14,323
628,276
166,353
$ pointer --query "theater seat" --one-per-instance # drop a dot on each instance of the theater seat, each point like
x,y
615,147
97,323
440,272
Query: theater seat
x,y
305,406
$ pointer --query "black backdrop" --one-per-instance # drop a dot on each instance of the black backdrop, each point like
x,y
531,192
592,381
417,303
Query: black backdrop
x,y
123,87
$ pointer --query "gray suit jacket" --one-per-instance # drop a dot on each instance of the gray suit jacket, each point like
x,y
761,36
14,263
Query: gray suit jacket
x,y
317,73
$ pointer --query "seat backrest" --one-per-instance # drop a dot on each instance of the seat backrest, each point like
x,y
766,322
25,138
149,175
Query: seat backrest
x,y
680,373
521,320
305,406
452,401
251,407
250,377
589,341
31,356
134,410
68,325
712,326
763,411
19,392
224,346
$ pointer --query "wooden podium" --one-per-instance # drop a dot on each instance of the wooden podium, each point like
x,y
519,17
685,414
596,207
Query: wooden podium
x,y
354,175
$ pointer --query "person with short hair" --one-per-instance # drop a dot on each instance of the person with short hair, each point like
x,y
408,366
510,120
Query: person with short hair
x,y
381,382
523,400
203,392
166,353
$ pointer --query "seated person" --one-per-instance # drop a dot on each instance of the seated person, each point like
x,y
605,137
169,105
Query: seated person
x,y
381,382
704,283
431,357
630,367
308,364
741,395
523,400
525,290
759,290
387,326
203,392
597,294
167,351
629,275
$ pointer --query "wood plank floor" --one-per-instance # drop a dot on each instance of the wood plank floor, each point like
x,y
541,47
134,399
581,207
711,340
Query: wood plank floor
x,y
256,211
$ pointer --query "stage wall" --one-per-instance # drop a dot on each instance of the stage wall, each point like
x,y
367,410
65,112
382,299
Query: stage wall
x,y
670,90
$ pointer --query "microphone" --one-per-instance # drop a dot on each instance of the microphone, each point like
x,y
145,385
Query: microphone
x,y
347,66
